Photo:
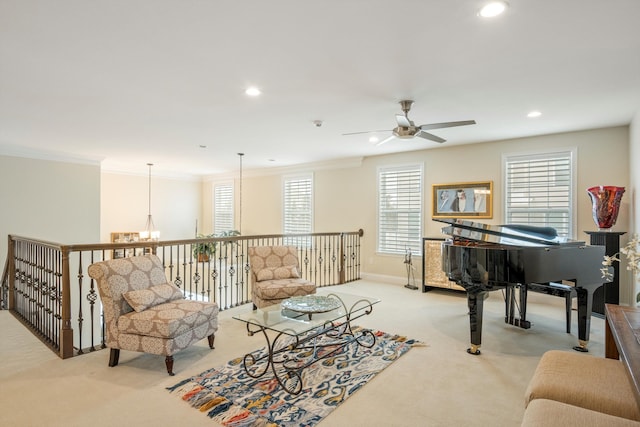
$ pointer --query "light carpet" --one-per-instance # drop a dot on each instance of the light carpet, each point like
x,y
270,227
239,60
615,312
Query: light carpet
x,y
231,397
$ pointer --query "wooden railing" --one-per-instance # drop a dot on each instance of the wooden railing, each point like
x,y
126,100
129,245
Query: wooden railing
x,y
46,286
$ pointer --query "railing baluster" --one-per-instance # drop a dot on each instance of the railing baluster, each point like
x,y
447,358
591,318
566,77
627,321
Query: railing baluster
x,y
80,318
36,283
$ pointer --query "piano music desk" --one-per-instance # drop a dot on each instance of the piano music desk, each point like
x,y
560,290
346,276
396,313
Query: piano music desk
x,y
622,340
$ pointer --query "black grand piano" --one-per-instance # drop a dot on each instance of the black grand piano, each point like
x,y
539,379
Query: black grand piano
x,y
483,258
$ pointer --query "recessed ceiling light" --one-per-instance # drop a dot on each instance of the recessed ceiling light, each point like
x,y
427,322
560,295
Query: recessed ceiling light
x,y
374,139
493,8
252,91
534,114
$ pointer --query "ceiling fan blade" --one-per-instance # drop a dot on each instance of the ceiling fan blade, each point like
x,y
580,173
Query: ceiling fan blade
x,y
368,131
448,124
403,120
427,135
387,139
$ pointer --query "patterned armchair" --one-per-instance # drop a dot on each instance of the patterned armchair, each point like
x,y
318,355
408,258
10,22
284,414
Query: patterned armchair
x,y
145,313
275,275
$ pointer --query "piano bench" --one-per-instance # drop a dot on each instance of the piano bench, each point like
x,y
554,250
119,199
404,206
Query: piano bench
x,y
558,290
586,381
549,413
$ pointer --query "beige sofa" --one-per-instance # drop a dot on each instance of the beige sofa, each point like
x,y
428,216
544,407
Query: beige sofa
x,y
275,275
550,413
144,312
568,387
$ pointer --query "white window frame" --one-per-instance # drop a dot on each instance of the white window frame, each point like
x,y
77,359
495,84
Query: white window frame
x,y
220,209
568,153
413,239
287,226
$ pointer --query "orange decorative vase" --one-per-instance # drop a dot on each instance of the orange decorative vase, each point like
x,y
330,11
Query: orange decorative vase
x,y
605,200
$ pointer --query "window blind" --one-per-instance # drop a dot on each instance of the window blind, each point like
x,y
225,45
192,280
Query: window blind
x,y
399,209
539,191
222,207
298,206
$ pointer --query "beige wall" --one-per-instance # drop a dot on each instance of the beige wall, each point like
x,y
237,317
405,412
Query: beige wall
x,y
70,203
175,205
345,197
483,162
49,200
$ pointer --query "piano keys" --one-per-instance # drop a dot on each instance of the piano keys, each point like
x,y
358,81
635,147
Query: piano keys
x,y
483,258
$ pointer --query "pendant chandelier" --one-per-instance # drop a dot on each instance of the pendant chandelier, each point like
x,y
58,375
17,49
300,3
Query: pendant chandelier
x,y
150,232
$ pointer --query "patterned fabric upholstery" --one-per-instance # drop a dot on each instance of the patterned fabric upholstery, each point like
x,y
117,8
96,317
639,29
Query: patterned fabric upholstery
x,y
154,295
275,275
167,320
164,328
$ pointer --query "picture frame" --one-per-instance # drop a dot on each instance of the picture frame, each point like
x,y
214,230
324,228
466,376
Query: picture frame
x,y
453,200
125,237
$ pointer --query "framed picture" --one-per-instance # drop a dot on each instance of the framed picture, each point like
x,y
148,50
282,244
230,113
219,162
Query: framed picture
x,y
463,200
127,237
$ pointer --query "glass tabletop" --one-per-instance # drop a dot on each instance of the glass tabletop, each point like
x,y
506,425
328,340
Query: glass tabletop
x,y
292,322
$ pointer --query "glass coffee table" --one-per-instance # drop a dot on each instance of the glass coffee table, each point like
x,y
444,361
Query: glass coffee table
x,y
302,330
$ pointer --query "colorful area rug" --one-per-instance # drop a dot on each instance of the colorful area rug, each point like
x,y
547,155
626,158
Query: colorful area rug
x,y
232,398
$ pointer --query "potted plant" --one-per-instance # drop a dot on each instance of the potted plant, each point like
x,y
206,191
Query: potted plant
x,y
206,250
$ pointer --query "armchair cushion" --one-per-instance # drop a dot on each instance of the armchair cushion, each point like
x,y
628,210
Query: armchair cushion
x,y
143,299
167,320
277,273
278,290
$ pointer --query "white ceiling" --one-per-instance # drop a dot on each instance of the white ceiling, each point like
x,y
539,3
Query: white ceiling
x,y
129,82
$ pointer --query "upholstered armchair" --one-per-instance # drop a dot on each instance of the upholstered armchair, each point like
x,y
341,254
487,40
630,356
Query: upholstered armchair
x,y
275,275
144,312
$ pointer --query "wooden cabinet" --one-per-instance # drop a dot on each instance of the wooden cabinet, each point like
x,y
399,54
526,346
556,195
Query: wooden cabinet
x,y
432,274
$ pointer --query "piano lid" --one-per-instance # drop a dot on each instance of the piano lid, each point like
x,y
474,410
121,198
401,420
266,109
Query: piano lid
x,y
512,235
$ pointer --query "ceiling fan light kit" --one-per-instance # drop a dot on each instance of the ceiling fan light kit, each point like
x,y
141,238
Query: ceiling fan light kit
x,y
406,128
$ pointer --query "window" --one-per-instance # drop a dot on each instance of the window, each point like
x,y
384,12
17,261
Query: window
x,y
400,209
222,207
539,190
298,208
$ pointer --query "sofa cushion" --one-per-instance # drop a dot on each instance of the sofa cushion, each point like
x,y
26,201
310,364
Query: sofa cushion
x,y
586,381
142,299
283,288
277,273
168,320
549,413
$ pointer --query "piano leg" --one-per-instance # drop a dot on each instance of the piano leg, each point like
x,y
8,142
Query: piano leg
x,y
585,302
475,300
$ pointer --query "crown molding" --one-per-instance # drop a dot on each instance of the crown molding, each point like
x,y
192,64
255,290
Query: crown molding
x,y
352,162
52,156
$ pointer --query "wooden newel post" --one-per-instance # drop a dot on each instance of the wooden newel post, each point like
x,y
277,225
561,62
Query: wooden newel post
x,y
11,279
66,332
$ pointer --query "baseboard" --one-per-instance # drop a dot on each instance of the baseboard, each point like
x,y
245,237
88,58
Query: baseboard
x,y
393,280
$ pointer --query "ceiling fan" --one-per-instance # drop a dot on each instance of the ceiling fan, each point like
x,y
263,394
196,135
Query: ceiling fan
x,y
406,129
